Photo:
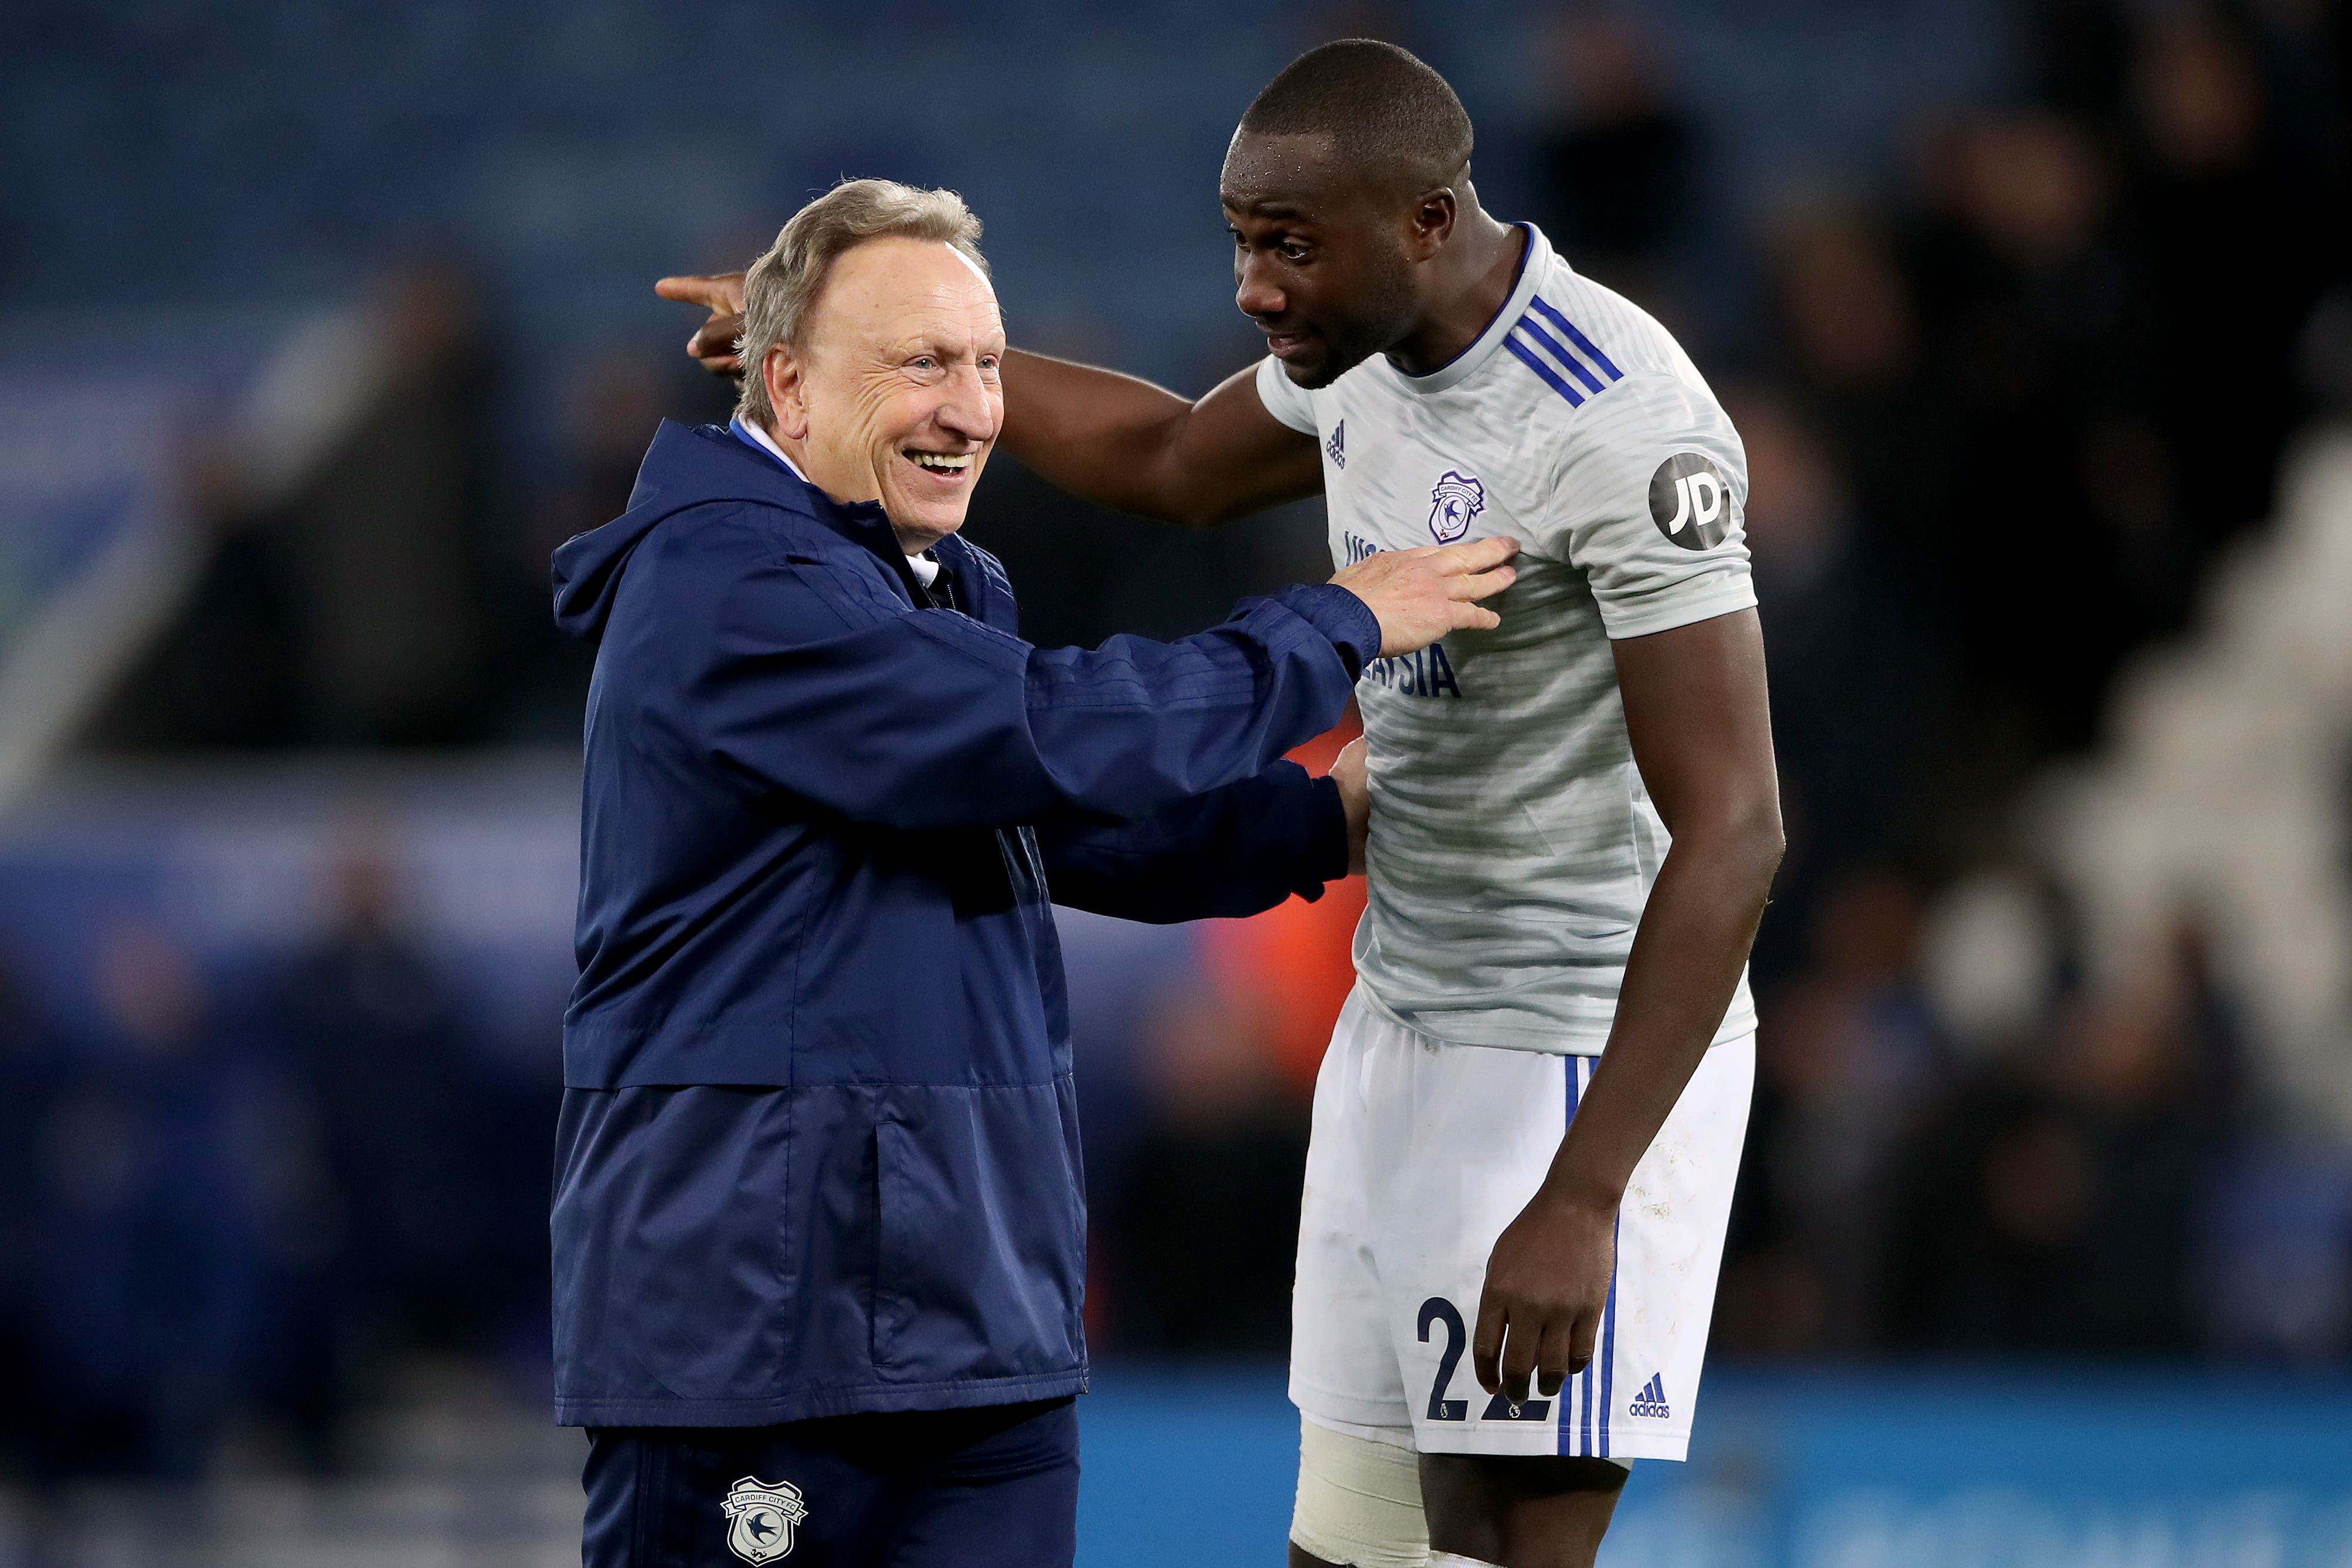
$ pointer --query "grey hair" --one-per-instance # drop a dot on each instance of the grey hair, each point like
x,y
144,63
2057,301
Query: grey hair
x,y
783,286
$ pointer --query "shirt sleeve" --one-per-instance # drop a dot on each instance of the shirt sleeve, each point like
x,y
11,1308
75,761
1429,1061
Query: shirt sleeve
x,y
1285,399
1649,495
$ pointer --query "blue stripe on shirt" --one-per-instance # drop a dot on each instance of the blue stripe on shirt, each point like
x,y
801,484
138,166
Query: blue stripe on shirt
x,y
1559,351
1534,362
1577,338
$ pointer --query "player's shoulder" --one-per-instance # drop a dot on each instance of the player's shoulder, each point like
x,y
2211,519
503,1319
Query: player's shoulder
x,y
1583,341
1613,377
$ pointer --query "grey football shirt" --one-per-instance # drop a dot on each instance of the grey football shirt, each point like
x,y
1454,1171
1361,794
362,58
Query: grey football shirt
x,y
1512,843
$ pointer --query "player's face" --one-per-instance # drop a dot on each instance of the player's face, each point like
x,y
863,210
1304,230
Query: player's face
x,y
895,397
1319,261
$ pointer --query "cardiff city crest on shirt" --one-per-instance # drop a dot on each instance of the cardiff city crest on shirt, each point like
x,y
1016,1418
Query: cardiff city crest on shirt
x,y
1457,498
761,1516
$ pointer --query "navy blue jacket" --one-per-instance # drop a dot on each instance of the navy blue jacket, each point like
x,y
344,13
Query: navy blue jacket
x,y
819,1150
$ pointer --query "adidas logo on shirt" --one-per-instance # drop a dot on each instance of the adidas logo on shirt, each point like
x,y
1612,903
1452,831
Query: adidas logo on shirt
x,y
1652,1400
1338,445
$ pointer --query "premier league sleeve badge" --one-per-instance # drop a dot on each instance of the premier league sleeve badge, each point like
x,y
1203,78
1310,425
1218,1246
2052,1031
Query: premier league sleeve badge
x,y
761,1516
1457,498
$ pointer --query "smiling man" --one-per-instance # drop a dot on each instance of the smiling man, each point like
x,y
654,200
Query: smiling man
x,y
818,1227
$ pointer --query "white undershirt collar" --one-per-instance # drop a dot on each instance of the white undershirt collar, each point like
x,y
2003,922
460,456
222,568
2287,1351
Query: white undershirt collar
x,y
925,568
768,443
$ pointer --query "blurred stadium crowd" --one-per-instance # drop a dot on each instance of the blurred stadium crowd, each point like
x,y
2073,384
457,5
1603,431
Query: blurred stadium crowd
x,y
231,1191
2010,405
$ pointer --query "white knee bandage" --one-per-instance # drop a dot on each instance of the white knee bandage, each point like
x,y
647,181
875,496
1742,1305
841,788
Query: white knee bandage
x,y
1358,1501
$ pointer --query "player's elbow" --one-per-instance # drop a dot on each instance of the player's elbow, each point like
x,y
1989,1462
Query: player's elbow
x,y
1199,506
1759,843
1168,483
1193,516
1205,490
1743,839
1159,508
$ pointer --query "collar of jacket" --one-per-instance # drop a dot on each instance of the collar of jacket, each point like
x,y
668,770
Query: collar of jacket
x,y
866,523
693,468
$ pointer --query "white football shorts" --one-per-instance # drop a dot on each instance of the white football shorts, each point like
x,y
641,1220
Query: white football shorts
x,y
1422,1152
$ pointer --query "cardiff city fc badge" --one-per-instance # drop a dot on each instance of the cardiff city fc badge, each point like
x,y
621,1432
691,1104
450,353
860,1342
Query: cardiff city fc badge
x,y
761,1516
1457,498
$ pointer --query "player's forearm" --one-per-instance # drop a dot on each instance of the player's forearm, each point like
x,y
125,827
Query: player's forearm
x,y
1688,951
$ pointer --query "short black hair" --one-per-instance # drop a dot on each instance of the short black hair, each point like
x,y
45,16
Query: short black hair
x,y
1392,117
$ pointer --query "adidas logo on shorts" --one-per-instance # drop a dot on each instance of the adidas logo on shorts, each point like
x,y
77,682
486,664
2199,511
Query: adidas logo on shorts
x,y
1652,1400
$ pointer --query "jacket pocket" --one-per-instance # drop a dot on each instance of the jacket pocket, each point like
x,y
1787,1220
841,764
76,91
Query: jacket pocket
x,y
675,1282
979,1272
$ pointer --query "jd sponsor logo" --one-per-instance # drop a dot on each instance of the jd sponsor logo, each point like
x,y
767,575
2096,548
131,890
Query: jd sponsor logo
x,y
1690,502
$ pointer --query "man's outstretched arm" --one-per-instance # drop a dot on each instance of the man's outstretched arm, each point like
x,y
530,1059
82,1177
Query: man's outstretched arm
x,y
1115,440
1696,711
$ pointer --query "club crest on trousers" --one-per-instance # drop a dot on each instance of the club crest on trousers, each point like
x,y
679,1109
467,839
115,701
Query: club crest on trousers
x,y
759,1519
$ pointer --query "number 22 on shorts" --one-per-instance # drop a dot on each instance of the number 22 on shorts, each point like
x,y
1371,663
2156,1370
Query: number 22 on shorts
x,y
1438,1310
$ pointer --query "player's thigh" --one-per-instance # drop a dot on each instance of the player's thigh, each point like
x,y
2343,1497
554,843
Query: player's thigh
x,y
1438,1225
1008,1499
1358,1502
1342,1367
1519,1511
1470,1132
1671,1233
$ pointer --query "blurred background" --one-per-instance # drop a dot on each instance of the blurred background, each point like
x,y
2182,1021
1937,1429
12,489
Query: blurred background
x,y
320,325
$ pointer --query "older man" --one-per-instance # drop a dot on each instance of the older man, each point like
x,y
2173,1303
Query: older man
x,y
818,1227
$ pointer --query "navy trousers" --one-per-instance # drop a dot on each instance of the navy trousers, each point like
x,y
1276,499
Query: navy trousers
x,y
995,1486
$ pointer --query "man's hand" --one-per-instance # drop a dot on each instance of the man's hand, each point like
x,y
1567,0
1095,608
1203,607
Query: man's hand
x,y
1420,595
713,343
1355,799
1546,1285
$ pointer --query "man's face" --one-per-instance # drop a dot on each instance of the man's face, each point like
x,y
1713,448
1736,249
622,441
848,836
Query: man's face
x,y
894,395
1319,260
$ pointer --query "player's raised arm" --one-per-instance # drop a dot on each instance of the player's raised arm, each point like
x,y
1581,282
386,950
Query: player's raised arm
x,y
1114,439
1124,442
